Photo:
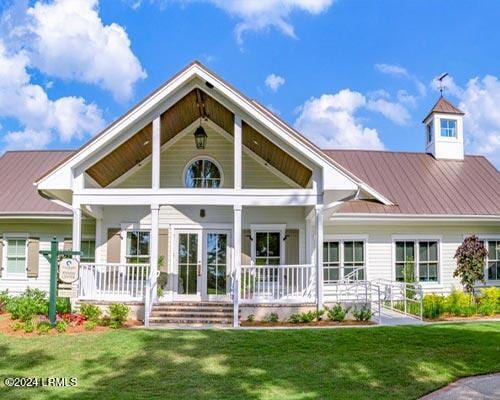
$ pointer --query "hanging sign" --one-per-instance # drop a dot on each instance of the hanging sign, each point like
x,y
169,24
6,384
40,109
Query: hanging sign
x,y
68,270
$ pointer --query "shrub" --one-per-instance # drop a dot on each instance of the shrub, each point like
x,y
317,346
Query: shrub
x,y
90,325
434,306
308,316
362,314
337,312
318,314
470,257
61,326
4,300
90,311
17,325
28,326
43,327
251,318
459,303
73,319
32,302
489,301
272,317
118,314
295,318
63,305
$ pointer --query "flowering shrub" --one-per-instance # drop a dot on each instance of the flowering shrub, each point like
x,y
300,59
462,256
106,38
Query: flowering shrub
x,y
470,257
489,301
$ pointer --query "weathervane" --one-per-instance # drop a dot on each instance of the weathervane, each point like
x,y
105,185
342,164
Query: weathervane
x,y
441,85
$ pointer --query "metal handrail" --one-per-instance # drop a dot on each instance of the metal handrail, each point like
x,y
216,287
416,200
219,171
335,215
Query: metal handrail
x,y
396,292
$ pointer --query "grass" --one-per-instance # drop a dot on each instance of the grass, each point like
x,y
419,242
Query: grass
x,y
380,362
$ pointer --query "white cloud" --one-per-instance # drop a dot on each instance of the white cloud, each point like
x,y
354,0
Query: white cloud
x,y
40,117
396,112
405,98
448,84
274,82
392,69
256,15
67,39
330,122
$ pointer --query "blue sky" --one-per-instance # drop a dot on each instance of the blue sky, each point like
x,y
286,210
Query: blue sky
x,y
347,73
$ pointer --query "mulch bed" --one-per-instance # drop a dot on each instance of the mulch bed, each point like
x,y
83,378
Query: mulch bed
x,y
6,324
452,318
302,324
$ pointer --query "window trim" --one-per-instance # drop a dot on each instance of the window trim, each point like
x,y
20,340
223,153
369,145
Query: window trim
x,y
268,228
203,157
347,238
416,239
430,131
441,128
87,238
5,273
485,237
130,227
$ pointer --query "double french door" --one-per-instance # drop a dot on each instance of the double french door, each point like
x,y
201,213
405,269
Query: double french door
x,y
202,261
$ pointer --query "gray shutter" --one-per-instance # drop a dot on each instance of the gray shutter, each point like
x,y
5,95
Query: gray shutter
x,y
114,245
163,249
68,244
1,257
246,247
33,257
292,246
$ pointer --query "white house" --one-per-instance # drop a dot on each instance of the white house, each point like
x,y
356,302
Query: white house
x,y
199,197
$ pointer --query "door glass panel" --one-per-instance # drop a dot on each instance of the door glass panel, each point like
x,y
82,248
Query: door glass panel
x,y
188,263
216,263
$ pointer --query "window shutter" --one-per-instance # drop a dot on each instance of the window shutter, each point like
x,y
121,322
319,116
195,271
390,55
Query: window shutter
x,y
113,245
246,247
1,257
68,244
163,249
292,247
33,257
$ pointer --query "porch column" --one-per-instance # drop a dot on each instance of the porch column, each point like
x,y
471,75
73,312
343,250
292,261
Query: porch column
x,y
155,233
236,264
319,255
77,228
98,240
155,154
238,155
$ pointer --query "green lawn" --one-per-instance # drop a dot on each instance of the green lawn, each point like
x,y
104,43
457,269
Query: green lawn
x,y
355,363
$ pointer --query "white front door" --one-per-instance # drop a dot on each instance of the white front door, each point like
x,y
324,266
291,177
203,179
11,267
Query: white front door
x,y
188,285
216,265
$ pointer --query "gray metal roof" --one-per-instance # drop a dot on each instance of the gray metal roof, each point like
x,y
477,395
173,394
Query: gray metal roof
x,y
18,172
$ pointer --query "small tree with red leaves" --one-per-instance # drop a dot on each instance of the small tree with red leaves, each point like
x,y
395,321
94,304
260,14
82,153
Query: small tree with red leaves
x,y
470,257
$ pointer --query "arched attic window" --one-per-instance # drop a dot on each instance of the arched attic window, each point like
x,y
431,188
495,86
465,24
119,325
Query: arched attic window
x,y
203,172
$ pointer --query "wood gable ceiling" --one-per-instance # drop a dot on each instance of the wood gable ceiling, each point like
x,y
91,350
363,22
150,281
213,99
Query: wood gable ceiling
x,y
191,107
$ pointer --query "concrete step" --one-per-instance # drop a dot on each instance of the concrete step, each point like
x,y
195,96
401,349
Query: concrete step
x,y
195,313
194,309
190,320
193,304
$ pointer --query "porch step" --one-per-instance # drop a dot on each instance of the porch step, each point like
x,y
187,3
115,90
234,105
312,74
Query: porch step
x,y
192,314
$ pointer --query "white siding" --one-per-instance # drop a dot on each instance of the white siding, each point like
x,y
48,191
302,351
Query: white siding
x,y
379,248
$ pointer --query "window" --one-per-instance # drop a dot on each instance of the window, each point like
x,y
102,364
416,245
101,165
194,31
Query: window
x,y
267,248
331,261
88,251
343,260
137,250
448,128
405,259
203,173
430,132
418,260
16,256
493,260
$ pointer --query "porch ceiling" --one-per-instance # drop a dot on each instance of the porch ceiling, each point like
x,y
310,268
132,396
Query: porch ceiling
x,y
186,111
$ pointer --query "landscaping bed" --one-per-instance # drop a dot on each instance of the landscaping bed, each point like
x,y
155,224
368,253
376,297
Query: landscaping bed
x,y
266,324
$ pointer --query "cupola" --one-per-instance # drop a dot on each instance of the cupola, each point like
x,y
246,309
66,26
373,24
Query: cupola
x,y
444,132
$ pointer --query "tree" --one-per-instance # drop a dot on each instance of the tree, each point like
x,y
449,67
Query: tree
x,y
470,257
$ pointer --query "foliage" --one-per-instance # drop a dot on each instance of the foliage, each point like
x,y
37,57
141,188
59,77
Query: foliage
x,y
43,327
90,325
459,303
489,301
63,305
251,318
61,326
308,316
409,276
29,326
295,319
30,303
318,314
91,312
434,306
159,291
17,325
362,314
4,300
272,317
337,312
73,319
118,314
470,257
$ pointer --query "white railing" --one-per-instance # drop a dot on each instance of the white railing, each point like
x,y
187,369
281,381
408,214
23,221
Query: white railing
x,y
113,281
403,297
278,283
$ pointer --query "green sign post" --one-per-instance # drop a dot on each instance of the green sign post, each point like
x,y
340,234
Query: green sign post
x,y
52,256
